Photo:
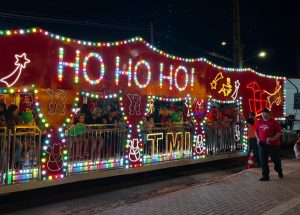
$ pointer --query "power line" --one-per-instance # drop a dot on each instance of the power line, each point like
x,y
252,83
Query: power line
x,y
210,53
69,21
66,20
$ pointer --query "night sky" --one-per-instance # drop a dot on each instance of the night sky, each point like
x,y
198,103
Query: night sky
x,y
184,28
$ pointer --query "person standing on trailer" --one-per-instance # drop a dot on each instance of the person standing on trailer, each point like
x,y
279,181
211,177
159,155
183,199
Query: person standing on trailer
x,y
268,132
2,113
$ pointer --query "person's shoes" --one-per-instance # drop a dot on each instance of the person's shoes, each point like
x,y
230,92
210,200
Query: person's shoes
x,y
280,175
264,179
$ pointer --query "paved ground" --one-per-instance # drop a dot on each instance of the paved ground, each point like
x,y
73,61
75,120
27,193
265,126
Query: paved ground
x,y
94,197
211,190
241,193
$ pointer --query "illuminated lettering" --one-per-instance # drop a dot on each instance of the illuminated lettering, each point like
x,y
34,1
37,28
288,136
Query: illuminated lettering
x,y
138,64
176,142
62,64
165,77
155,138
85,75
187,142
186,80
123,71
192,78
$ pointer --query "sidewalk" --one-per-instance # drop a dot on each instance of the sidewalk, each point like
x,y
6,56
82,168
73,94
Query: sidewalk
x,y
241,193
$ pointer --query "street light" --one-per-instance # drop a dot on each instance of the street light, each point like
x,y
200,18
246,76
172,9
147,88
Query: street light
x,y
223,43
261,54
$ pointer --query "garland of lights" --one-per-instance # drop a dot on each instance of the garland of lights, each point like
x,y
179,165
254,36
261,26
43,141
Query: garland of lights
x,y
90,165
239,103
85,75
44,122
121,72
63,64
199,140
162,157
166,77
132,40
139,63
182,68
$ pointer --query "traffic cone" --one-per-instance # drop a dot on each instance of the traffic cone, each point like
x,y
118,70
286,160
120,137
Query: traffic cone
x,y
269,160
250,161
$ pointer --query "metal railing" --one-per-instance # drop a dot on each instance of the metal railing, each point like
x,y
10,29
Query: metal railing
x,y
100,147
166,143
24,154
224,136
20,154
3,154
97,147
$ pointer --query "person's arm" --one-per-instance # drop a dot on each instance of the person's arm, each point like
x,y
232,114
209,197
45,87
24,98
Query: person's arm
x,y
256,133
277,135
257,137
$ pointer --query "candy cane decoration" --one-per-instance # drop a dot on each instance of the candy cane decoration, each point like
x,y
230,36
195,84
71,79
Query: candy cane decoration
x,y
236,89
237,133
185,103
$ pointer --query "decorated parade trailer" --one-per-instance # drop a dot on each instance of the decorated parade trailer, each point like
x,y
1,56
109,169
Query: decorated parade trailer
x,y
123,106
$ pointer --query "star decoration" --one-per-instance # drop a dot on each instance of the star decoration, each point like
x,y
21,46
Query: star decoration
x,y
21,60
213,85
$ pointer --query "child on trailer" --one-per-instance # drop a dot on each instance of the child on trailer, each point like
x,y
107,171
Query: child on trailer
x,y
83,141
28,141
12,120
96,137
71,140
78,139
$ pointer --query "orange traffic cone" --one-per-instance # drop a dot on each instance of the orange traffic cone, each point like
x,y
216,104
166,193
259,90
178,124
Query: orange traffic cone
x,y
269,160
250,161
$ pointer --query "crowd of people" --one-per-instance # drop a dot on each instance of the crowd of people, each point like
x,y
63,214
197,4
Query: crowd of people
x,y
166,118
90,130
84,144
23,145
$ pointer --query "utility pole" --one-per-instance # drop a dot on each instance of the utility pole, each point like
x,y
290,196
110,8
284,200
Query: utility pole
x,y
298,46
152,33
237,47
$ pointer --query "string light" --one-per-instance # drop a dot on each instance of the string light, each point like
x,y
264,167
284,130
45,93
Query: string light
x,y
85,166
62,64
138,64
154,138
85,75
165,77
131,40
31,173
123,72
182,68
192,78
